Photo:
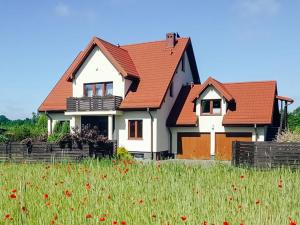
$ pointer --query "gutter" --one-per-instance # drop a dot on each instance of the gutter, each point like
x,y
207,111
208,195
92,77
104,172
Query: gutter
x,y
51,120
151,135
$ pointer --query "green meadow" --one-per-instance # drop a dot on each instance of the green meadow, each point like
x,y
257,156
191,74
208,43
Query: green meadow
x,y
109,192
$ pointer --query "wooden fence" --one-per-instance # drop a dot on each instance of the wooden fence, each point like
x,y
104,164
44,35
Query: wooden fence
x,y
266,154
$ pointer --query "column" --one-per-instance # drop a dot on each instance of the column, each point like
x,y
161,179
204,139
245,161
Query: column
x,y
110,127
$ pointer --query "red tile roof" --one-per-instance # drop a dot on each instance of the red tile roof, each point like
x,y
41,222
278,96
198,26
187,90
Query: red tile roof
x,y
156,63
152,65
254,104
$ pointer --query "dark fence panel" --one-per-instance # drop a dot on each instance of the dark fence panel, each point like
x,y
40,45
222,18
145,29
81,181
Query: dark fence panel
x,y
46,152
266,154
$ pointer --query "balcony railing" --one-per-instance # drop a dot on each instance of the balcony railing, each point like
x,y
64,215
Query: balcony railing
x,y
96,103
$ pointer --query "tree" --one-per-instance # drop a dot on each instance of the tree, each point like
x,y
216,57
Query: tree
x,y
294,120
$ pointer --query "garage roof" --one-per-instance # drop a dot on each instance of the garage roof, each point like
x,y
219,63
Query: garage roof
x,y
253,101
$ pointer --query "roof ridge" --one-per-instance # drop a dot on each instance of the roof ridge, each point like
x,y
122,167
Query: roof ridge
x,y
247,82
150,42
116,46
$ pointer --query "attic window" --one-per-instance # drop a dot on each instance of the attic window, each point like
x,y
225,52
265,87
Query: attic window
x,y
211,107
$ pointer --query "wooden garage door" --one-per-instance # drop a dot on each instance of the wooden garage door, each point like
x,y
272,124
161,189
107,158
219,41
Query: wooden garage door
x,y
224,144
193,146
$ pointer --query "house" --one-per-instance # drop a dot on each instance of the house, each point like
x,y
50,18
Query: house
x,y
149,98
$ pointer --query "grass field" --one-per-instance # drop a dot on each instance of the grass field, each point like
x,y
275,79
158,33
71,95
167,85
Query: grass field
x,y
131,193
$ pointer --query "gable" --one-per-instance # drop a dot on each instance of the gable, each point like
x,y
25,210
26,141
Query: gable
x,y
95,69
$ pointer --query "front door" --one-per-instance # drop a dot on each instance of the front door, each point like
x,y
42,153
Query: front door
x,y
101,122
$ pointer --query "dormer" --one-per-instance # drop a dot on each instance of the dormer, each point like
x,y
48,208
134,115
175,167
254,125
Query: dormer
x,y
213,99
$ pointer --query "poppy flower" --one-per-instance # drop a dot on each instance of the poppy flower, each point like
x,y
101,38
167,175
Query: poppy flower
x,y
279,185
87,186
183,218
7,216
48,204
114,222
257,202
14,190
13,196
225,223
88,216
242,177
101,219
123,222
68,193
293,223
46,196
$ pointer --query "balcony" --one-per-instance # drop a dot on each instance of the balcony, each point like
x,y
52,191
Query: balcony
x,y
96,103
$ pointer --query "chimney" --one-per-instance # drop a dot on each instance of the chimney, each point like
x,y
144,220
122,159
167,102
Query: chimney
x,y
171,39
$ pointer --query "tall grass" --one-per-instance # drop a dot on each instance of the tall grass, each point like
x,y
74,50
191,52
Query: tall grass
x,y
152,193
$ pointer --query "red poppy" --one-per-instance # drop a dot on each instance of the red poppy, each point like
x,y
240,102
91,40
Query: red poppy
x,y
242,177
279,185
68,193
48,204
7,216
257,202
205,223
225,223
114,222
88,216
101,219
46,196
183,218
13,196
293,223
14,190
87,186
123,222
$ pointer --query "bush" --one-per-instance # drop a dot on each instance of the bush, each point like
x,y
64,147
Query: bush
x,y
288,136
3,139
54,138
123,154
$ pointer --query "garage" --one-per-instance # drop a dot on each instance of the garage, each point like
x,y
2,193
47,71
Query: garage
x,y
224,141
193,145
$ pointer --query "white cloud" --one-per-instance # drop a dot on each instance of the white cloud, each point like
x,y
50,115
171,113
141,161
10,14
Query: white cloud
x,y
65,10
62,9
258,7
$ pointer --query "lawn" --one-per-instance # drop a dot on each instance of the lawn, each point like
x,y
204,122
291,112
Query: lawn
x,y
106,192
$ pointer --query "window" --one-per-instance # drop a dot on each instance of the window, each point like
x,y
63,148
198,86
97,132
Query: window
x,y
135,129
183,63
98,89
88,90
171,89
211,107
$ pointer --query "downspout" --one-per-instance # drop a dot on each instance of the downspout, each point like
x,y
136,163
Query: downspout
x,y
170,140
151,135
51,119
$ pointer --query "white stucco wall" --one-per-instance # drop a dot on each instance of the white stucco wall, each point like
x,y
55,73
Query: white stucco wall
x,y
97,68
180,78
213,124
121,131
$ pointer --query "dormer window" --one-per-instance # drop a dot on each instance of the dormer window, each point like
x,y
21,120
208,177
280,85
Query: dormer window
x,y
211,107
98,89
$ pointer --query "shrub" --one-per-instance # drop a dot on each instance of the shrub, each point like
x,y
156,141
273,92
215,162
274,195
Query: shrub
x,y
65,127
3,139
123,154
54,138
288,136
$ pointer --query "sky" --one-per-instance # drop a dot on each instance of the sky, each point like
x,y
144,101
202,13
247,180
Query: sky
x,y
233,40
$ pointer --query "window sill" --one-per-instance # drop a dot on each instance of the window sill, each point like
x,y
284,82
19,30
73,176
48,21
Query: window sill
x,y
135,139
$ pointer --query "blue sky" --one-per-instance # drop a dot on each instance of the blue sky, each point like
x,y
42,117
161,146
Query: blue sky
x,y
233,40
